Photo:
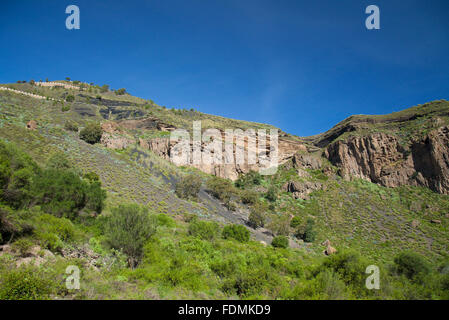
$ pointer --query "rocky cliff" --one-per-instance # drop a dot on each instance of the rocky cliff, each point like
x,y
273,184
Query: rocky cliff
x,y
382,159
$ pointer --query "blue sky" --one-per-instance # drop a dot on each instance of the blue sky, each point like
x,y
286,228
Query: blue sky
x,y
299,65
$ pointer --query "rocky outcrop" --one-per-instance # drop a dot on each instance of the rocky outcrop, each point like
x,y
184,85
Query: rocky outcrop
x,y
329,249
301,190
380,158
32,125
115,141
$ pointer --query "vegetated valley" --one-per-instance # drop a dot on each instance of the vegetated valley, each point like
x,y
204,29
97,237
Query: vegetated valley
x,y
86,181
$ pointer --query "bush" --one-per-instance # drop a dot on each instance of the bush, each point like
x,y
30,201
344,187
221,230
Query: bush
x,y
280,225
60,192
249,179
128,228
257,216
272,194
24,284
237,232
120,92
280,242
188,187
70,98
71,126
23,246
220,188
295,222
17,170
65,108
249,197
91,133
411,264
58,161
306,232
204,230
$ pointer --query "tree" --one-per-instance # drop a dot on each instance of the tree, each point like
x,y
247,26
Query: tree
x,y
189,186
237,232
91,133
128,228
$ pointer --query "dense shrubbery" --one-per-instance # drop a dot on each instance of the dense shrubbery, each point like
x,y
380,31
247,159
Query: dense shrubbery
x,y
189,186
71,126
128,228
237,232
91,133
248,180
411,265
305,232
205,230
24,284
280,242
58,188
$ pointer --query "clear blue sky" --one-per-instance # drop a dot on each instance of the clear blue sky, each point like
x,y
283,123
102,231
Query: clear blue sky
x,y
300,65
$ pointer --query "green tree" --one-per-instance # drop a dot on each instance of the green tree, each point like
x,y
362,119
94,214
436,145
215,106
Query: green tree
x,y
128,228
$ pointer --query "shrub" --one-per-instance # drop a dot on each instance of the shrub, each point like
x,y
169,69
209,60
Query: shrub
x,y
120,92
58,161
189,186
24,284
249,179
220,188
91,133
65,108
257,216
411,264
280,225
128,228
204,230
23,246
306,232
71,126
272,194
248,196
16,174
104,88
295,222
349,265
70,98
237,232
280,242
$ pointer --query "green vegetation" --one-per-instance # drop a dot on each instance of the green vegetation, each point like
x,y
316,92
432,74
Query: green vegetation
x,y
128,228
54,212
189,186
280,242
237,232
91,133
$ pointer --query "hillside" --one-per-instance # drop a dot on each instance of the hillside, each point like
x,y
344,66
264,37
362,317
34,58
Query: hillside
x,y
373,186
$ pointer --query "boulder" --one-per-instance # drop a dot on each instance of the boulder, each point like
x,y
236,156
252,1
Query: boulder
x,y
32,125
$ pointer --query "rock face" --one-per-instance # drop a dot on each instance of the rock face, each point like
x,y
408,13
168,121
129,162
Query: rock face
x,y
301,190
380,158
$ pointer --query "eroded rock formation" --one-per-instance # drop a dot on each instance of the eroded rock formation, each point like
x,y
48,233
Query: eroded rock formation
x,y
380,158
